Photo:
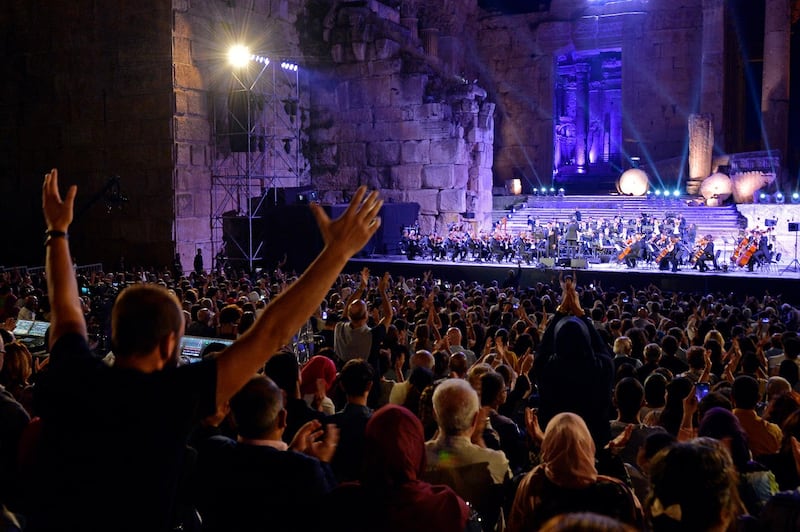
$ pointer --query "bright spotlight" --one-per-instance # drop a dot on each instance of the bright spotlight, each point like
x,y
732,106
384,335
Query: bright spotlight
x,y
552,190
795,197
289,66
561,192
779,198
544,190
762,198
676,193
658,192
239,55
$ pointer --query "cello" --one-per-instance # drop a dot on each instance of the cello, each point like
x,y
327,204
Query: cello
x,y
627,251
701,247
740,247
748,252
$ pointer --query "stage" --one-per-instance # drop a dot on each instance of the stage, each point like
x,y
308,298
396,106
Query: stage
x,y
775,278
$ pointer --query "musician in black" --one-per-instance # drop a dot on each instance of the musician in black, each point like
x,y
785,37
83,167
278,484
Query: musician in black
x,y
762,254
708,254
635,253
571,236
673,256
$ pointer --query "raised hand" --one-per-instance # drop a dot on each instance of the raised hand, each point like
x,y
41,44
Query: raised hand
x,y
365,277
324,449
57,211
353,229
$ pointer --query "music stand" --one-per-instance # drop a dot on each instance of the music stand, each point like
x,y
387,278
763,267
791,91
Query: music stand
x,y
793,266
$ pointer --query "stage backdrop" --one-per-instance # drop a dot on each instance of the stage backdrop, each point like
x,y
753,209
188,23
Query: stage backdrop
x,y
291,229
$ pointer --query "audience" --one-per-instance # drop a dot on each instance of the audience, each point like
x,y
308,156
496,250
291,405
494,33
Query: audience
x,y
108,450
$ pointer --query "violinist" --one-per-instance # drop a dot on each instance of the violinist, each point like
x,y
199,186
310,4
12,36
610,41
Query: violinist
x,y
707,254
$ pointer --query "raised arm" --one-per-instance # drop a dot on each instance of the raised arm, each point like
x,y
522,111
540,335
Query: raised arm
x,y
66,315
386,303
287,312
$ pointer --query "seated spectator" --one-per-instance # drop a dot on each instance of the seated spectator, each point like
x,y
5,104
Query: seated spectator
x,y
763,437
585,522
390,495
258,482
202,326
284,371
567,481
669,358
694,488
756,483
356,380
13,420
783,464
511,439
419,379
16,372
628,398
622,354
652,353
316,379
423,359
229,318
476,473
655,396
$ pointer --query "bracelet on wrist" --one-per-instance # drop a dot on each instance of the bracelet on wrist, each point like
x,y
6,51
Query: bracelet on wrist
x,y
51,234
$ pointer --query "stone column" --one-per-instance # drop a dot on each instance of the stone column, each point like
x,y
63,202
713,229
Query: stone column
x,y
701,147
581,114
775,80
712,80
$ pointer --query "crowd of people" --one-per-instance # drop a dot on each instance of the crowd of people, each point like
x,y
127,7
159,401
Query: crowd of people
x,y
428,404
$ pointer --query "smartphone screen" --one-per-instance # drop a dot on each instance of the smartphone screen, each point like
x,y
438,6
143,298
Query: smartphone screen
x,y
701,390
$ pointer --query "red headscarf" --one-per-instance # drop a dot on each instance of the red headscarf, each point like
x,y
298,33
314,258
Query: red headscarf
x,y
318,367
394,458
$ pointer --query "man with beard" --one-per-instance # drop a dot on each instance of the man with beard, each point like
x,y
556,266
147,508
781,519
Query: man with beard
x,y
113,440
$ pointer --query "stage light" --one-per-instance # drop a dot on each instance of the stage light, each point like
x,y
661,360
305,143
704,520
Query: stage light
x,y
552,191
762,198
544,190
289,66
515,186
658,192
779,198
676,193
561,192
795,197
239,55
633,182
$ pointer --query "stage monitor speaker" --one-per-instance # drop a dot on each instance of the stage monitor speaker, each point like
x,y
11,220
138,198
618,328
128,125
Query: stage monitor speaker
x,y
564,262
578,264
547,262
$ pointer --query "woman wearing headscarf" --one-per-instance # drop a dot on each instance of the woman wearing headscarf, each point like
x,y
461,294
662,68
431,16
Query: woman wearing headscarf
x,y
390,495
319,369
573,368
567,481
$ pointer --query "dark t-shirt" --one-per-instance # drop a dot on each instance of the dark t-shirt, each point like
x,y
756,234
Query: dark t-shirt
x,y
113,440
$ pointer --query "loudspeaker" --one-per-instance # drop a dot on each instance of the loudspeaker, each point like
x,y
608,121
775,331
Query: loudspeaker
x,y
564,262
578,264
547,262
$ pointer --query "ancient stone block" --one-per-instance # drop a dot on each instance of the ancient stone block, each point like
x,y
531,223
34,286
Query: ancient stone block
x,y
428,200
448,151
383,153
353,154
415,152
452,201
408,89
428,111
407,176
460,176
437,176
427,224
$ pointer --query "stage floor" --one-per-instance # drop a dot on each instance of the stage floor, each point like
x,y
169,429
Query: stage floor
x,y
776,279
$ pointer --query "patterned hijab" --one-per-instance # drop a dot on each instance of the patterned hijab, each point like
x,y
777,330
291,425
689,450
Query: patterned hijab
x,y
568,452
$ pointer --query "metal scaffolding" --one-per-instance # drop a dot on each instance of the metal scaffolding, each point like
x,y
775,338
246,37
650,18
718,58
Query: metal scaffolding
x,y
256,149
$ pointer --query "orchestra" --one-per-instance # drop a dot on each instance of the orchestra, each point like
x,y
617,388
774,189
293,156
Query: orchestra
x,y
667,243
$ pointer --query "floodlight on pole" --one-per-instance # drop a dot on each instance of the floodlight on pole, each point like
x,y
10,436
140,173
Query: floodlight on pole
x,y
239,55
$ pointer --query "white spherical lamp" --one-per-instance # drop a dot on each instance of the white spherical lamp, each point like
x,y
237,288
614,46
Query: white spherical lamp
x,y
633,182
716,185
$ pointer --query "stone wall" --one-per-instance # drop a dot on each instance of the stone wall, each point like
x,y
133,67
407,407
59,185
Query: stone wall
x,y
87,89
388,113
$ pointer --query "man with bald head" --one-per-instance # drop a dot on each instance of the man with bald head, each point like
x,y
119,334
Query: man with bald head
x,y
354,338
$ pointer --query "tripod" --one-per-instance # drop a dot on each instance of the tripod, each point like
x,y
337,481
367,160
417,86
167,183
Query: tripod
x,y
793,266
